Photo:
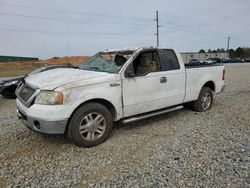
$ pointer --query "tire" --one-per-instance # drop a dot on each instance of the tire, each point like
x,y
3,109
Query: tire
x,y
204,101
90,125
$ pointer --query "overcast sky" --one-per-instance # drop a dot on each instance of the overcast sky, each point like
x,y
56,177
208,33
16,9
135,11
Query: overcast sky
x,y
46,28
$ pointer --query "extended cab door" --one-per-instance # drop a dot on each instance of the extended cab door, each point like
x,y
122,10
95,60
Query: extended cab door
x,y
146,89
174,71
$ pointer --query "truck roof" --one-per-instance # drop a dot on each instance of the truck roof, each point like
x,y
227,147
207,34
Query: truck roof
x,y
136,48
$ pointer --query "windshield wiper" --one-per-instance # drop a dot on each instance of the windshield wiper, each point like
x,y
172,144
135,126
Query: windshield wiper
x,y
95,68
92,68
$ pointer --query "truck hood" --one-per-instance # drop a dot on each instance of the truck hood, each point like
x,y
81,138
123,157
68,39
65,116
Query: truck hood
x,y
55,78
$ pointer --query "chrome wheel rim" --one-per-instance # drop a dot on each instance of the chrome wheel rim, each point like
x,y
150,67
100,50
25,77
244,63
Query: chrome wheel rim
x,y
92,126
206,101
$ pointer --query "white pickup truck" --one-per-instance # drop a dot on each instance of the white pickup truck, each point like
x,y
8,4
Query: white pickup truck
x,y
126,85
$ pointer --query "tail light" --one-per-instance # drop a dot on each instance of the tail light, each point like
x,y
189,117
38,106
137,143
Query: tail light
x,y
223,74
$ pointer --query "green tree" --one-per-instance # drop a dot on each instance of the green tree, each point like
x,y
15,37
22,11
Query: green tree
x,y
222,50
239,52
202,51
246,52
231,53
209,51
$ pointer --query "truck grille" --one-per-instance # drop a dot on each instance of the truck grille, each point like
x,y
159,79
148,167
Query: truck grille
x,y
25,92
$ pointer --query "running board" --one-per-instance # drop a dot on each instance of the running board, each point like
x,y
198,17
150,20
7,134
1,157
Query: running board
x,y
151,114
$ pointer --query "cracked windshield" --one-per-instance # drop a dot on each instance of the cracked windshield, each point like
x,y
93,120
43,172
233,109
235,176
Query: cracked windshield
x,y
110,62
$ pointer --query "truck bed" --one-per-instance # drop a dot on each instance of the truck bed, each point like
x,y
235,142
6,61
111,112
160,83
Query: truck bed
x,y
189,66
197,75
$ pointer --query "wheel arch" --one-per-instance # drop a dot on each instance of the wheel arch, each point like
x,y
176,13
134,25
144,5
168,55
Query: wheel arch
x,y
198,104
104,102
210,84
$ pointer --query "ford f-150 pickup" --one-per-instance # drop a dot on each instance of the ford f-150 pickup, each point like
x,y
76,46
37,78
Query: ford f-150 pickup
x,y
119,85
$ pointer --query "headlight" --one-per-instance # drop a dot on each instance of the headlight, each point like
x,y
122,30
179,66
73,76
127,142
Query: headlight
x,y
49,98
10,83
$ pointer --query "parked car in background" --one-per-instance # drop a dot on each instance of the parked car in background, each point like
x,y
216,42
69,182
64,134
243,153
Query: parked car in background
x,y
226,60
237,60
247,59
195,62
209,61
8,86
215,60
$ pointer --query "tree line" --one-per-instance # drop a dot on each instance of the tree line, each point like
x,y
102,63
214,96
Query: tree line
x,y
238,52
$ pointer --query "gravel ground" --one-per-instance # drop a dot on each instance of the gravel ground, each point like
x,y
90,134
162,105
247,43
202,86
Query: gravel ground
x,y
179,149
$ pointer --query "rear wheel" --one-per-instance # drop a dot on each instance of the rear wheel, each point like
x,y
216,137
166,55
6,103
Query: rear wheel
x,y
205,100
90,125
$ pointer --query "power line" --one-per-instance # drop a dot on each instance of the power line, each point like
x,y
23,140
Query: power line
x,y
68,20
183,26
64,33
196,40
74,12
187,27
194,29
203,34
96,34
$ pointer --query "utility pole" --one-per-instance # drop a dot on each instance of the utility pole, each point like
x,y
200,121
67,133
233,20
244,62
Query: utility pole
x,y
157,28
228,42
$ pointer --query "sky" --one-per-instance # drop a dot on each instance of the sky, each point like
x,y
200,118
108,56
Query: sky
x,y
45,28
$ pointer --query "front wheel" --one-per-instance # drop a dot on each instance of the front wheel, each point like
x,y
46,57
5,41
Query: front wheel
x,y
90,125
204,101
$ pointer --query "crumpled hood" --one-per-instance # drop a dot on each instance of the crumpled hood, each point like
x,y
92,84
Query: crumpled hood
x,y
55,78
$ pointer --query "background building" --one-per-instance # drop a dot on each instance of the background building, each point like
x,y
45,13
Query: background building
x,y
16,58
187,56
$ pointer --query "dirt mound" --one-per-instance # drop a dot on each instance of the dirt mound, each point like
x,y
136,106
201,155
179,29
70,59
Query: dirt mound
x,y
17,68
73,60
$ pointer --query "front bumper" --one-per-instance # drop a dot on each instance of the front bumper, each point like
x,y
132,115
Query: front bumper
x,y
42,125
42,118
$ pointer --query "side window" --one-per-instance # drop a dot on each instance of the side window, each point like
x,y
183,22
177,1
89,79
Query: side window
x,y
168,60
145,63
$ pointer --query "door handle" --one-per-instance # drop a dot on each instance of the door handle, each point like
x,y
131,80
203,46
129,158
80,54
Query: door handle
x,y
163,80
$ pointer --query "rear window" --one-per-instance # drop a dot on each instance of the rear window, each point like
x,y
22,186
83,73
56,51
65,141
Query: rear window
x,y
168,60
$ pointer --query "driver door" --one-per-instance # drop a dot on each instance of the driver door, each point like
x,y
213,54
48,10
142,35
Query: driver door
x,y
146,90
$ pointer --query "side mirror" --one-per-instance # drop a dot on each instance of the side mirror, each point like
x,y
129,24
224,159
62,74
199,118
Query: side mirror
x,y
129,72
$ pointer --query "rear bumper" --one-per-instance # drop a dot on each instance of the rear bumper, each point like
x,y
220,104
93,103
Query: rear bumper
x,y
223,88
42,125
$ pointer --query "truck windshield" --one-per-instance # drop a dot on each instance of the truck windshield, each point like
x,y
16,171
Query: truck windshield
x,y
110,62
